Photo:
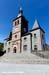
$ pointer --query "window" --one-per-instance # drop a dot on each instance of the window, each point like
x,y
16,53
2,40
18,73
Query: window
x,y
35,47
34,35
15,36
25,38
9,42
25,47
15,23
18,22
8,49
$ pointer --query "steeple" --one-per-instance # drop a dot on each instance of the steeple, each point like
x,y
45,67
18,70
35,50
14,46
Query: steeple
x,y
36,24
20,12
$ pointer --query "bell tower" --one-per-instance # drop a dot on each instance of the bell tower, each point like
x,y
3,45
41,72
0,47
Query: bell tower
x,y
20,27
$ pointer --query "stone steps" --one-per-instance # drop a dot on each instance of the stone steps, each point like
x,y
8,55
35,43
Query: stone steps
x,y
42,54
23,58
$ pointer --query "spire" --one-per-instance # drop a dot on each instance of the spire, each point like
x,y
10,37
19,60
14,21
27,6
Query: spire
x,y
20,12
36,24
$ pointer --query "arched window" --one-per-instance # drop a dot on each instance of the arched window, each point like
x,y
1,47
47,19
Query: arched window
x,y
35,47
14,50
25,47
18,22
15,23
25,38
15,36
34,35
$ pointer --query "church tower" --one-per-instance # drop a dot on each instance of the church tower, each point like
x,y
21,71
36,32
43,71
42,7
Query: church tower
x,y
20,27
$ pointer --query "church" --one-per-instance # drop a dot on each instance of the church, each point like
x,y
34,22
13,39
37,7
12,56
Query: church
x,y
21,40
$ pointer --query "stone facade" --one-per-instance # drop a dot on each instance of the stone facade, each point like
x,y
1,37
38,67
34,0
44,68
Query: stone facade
x,y
23,41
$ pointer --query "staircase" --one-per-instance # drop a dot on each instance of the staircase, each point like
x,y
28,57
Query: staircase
x,y
24,58
42,54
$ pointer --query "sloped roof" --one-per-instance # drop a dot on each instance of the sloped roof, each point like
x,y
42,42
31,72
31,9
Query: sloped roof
x,y
36,26
9,37
20,12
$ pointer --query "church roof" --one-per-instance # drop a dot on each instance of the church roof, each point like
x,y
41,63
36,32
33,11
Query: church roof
x,y
37,26
20,12
9,37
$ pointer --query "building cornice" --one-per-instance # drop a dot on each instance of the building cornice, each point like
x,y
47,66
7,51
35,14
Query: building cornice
x,y
27,34
37,29
20,17
15,40
16,32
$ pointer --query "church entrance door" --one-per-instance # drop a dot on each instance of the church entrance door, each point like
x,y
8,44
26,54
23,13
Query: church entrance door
x,y
14,50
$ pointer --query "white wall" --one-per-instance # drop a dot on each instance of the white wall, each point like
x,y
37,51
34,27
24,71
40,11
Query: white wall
x,y
27,42
7,45
37,40
43,42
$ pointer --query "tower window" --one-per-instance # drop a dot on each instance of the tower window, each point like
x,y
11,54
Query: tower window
x,y
25,47
15,23
34,35
15,36
18,21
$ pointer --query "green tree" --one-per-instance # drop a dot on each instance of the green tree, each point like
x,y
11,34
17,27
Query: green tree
x,y
1,46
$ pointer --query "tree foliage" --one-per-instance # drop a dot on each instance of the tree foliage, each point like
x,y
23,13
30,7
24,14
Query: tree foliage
x,y
1,46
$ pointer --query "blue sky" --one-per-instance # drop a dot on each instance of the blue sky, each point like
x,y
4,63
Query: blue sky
x,y
33,9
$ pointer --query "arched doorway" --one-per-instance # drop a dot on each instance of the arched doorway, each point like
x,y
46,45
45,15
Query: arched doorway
x,y
14,50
